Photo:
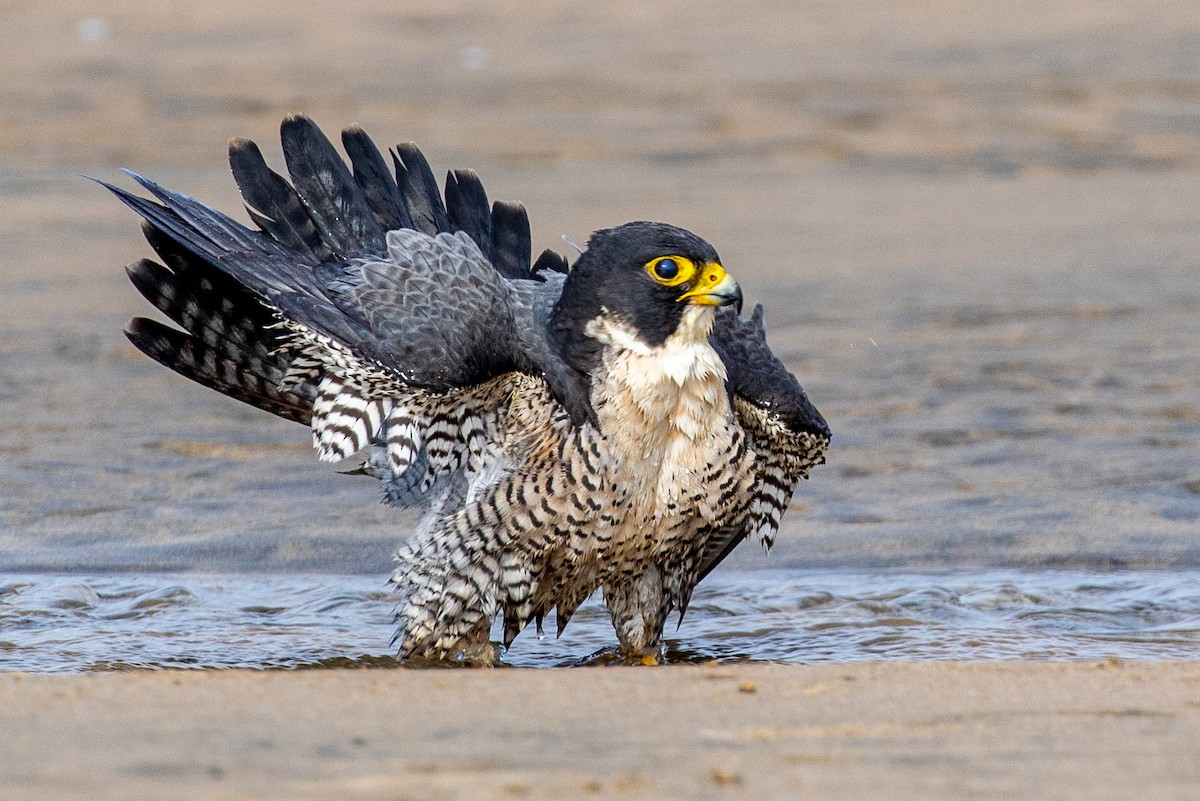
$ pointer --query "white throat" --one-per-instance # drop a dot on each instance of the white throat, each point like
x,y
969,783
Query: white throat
x,y
663,410
685,355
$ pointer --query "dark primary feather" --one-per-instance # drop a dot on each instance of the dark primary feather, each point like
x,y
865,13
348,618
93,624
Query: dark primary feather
x,y
378,186
216,227
467,208
274,204
512,245
550,261
332,197
419,189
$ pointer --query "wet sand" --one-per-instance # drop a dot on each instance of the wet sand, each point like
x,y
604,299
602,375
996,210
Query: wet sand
x,y
933,731
976,231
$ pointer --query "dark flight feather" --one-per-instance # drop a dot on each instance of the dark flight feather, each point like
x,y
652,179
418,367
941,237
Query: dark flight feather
x,y
420,190
467,209
512,245
273,203
329,192
551,261
377,183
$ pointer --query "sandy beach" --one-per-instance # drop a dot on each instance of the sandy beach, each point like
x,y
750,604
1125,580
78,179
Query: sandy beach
x,y
935,731
976,231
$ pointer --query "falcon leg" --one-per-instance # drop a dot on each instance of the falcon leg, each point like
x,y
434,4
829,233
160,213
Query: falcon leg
x,y
638,606
434,632
475,649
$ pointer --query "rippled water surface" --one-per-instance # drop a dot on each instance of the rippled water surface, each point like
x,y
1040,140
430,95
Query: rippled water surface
x,y
61,623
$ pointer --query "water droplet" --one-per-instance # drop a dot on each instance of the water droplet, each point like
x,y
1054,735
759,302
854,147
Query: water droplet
x,y
473,58
91,29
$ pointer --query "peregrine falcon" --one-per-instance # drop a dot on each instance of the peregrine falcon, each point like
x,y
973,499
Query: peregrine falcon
x,y
611,424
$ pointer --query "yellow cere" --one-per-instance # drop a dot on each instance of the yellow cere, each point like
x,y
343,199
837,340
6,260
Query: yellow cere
x,y
712,276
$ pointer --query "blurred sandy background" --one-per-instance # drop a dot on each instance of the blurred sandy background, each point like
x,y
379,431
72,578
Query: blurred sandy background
x,y
976,230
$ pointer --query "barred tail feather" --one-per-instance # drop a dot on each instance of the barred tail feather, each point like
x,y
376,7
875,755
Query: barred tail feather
x,y
229,342
225,367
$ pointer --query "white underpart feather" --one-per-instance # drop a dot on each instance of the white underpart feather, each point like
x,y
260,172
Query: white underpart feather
x,y
666,410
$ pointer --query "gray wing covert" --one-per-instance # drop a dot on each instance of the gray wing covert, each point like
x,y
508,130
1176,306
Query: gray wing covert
x,y
430,309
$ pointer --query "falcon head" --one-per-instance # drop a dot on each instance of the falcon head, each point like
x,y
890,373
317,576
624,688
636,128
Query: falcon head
x,y
644,276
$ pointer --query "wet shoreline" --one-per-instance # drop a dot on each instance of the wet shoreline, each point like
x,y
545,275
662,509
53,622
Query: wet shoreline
x,y
81,623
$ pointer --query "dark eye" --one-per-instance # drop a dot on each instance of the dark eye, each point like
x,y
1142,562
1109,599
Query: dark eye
x,y
666,269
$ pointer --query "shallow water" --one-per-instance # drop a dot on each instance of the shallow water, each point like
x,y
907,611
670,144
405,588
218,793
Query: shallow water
x,y
72,623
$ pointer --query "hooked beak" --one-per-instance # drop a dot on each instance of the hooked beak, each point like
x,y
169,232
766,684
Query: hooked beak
x,y
714,287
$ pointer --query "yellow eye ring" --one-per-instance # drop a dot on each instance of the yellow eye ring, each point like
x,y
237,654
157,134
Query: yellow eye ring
x,y
671,270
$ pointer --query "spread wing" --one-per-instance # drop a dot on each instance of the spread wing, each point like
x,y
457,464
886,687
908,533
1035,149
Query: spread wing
x,y
786,432
363,305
